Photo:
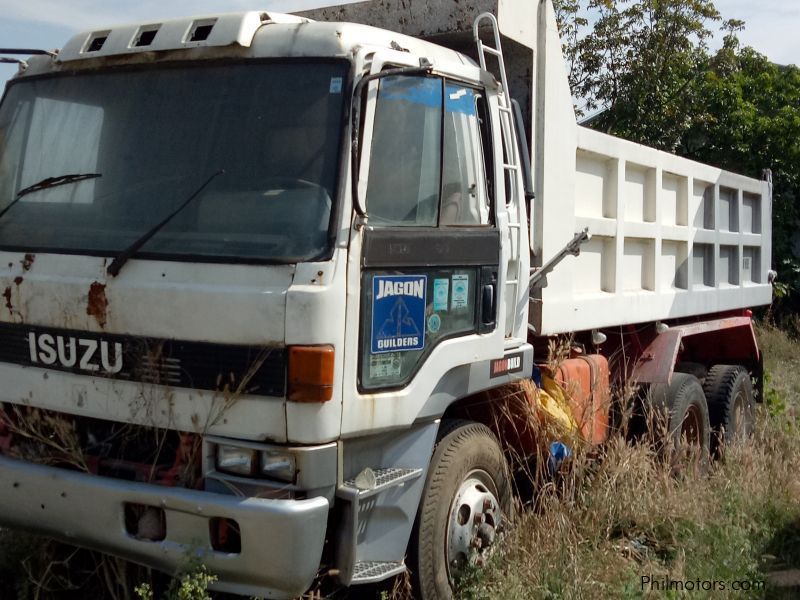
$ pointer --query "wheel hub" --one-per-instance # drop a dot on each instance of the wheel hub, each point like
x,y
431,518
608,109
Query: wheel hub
x,y
739,425
473,524
691,428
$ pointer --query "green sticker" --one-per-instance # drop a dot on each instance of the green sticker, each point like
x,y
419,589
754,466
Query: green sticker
x,y
441,289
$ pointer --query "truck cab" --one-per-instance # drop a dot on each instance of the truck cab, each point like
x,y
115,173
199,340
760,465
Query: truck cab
x,y
249,261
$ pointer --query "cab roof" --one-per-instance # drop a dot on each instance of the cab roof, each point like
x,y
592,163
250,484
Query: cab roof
x,y
250,34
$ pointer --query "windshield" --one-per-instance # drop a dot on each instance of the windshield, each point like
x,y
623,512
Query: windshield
x,y
89,163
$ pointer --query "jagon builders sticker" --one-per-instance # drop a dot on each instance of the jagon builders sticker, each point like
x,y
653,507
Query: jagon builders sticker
x,y
508,364
398,313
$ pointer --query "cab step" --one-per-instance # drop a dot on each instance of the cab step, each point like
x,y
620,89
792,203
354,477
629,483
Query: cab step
x,y
374,571
384,479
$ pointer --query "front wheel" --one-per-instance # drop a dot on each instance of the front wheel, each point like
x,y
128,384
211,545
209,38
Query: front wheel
x,y
465,504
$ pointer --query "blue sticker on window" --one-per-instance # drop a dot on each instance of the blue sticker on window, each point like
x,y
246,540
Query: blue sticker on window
x,y
459,100
427,92
398,313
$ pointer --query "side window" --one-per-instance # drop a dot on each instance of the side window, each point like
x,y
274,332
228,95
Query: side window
x,y
465,198
403,188
428,166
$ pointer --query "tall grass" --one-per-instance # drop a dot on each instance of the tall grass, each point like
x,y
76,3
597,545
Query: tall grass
x,y
613,520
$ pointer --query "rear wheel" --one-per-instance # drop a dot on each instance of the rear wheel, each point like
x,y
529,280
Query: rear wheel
x,y
682,423
465,504
730,402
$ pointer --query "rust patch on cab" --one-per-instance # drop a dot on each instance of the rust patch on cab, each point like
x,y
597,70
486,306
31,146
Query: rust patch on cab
x,y
7,296
97,306
27,262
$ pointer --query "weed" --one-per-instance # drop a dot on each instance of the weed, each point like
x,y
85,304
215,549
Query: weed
x,y
191,585
621,516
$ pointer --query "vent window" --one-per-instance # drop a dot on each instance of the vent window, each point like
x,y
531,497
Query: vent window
x,y
96,41
201,30
145,36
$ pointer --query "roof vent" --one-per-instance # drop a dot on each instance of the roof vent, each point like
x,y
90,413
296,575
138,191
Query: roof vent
x,y
96,41
145,35
200,30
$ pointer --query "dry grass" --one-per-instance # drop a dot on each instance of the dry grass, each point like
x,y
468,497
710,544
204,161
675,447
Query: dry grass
x,y
597,531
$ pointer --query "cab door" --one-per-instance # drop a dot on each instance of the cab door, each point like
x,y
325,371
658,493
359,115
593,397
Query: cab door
x,y
430,250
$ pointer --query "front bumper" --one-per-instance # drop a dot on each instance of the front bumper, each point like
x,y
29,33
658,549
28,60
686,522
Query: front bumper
x,y
281,540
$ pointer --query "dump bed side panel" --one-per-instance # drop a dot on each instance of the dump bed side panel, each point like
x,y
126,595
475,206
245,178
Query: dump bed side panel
x,y
670,238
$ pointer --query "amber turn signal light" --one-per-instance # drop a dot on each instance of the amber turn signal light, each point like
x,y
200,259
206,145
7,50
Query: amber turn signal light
x,y
310,373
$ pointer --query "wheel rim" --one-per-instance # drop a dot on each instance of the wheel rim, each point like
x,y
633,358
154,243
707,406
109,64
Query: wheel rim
x,y
472,524
691,429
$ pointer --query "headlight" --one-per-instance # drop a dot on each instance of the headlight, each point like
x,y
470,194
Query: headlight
x,y
278,465
237,461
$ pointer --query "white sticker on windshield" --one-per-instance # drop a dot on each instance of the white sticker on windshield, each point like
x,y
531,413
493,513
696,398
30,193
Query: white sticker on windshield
x,y
460,295
336,85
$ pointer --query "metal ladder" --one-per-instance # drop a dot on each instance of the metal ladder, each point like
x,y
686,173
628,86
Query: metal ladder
x,y
511,168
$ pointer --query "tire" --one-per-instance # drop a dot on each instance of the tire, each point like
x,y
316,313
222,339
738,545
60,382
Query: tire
x,y
467,499
682,426
729,391
697,369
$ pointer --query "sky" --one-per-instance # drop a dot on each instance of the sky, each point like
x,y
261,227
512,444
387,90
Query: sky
x,y
772,26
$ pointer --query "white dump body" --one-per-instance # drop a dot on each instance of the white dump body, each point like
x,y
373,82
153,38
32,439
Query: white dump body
x,y
670,238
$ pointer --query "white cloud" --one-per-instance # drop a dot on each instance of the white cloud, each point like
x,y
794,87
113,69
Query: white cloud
x,y
771,26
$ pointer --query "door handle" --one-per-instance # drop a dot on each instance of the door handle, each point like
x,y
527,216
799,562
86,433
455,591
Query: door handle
x,y
487,305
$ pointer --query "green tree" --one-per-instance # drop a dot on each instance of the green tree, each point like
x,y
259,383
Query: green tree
x,y
752,122
641,57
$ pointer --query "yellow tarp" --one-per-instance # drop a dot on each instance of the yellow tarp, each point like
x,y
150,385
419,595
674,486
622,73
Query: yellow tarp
x,y
553,402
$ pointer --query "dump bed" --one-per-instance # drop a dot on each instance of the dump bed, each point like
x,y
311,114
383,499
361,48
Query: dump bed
x,y
670,237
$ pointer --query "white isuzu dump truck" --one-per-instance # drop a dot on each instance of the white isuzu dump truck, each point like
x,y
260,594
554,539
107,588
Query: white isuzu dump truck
x,y
263,276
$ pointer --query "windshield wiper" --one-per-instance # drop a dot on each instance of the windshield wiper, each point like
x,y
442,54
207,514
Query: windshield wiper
x,y
50,182
123,257
46,183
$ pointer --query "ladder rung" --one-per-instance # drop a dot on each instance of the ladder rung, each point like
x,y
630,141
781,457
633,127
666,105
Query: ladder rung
x,y
491,50
510,167
512,282
504,109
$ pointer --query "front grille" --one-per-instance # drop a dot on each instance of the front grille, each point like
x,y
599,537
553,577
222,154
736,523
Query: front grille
x,y
106,448
259,370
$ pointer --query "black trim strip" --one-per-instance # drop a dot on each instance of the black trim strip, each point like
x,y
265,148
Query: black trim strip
x,y
431,247
257,370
